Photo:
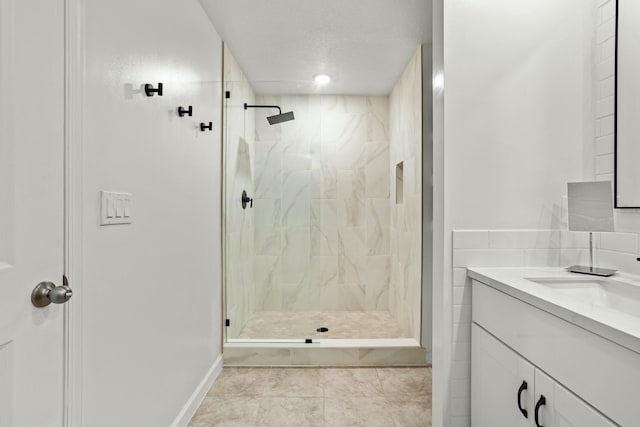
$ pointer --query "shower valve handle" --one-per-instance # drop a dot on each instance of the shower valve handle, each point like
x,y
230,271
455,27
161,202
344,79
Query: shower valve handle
x,y
246,200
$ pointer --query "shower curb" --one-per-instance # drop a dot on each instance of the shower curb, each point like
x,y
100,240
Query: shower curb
x,y
317,355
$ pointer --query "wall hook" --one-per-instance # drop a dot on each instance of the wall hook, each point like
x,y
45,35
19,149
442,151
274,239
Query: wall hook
x,y
149,90
185,111
204,126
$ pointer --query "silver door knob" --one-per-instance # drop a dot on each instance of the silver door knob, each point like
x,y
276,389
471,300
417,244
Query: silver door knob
x,y
46,293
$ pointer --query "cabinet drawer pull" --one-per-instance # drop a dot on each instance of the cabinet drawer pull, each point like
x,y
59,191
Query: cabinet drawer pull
x,y
522,388
541,402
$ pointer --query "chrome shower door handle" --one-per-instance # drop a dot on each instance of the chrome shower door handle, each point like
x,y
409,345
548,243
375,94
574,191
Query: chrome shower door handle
x,y
46,293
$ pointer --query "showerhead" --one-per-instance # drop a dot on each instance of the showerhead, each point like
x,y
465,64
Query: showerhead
x,y
279,118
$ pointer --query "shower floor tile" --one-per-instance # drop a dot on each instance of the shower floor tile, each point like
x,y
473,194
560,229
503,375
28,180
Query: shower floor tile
x,y
341,324
281,397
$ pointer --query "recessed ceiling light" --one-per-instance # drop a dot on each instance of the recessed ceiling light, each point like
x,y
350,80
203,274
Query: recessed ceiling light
x,y
322,79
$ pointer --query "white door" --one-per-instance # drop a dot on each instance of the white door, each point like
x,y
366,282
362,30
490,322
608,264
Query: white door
x,y
502,384
558,407
31,210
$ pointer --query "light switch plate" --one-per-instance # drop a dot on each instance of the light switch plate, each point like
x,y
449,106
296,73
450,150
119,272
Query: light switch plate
x,y
115,208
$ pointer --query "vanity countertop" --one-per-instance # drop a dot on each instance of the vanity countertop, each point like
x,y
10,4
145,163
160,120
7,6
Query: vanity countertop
x,y
614,325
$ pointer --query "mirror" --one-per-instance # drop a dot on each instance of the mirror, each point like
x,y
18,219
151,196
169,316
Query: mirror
x,y
590,206
627,104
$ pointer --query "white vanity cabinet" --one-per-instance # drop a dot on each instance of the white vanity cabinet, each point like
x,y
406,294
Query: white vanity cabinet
x,y
506,389
499,378
587,380
562,408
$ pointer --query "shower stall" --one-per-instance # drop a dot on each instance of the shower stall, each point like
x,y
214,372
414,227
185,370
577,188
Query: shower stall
x,y
322,214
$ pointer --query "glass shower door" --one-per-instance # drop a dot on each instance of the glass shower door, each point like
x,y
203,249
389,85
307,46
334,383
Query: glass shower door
x,y
272,288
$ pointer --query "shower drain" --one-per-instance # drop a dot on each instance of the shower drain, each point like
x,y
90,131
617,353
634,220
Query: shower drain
x,y
322,329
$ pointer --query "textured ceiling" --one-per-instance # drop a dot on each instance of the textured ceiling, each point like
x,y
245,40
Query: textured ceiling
x,y
364,45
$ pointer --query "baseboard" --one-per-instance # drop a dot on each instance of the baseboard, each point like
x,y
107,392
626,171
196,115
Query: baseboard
x,y
190,408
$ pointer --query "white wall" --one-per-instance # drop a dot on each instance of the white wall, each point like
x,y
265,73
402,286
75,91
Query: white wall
x,y
150,290
517,109
514,115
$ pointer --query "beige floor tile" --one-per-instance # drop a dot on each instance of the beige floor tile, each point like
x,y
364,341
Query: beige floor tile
x,y
354,382
405,381
411,411
357,412
226,412
329,397
241,382
291,412
294,382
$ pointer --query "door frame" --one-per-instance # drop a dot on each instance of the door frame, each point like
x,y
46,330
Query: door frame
x,y
73,203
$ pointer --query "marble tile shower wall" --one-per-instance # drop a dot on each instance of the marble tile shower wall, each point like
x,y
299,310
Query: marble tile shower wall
x,y
322,204
406,215
239,148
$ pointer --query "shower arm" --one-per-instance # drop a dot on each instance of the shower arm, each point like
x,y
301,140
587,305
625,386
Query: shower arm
x,y
262,106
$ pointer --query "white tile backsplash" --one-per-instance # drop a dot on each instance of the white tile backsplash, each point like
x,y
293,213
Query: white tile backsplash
x,y
524,239
624,262
604,145
461,388
460,408
605,69
607,11
604,164
488,258
605,107
607,124
607,87
543,257
461,370
462,314
462,295
574,239
619,242
607,49
460,278
471,239
462,331
605,31
462,351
